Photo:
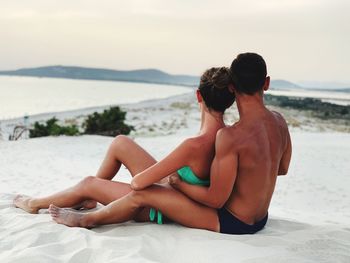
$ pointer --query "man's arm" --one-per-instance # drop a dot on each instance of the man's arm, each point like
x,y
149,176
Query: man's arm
x,y
223,174
286,157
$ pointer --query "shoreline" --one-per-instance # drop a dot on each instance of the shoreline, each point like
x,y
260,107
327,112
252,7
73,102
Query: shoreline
x,y
175,114
77,115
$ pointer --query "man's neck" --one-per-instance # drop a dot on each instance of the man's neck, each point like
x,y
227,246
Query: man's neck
x,y
250,105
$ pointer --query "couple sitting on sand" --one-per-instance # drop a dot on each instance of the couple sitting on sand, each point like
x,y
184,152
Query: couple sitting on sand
x,y
221,179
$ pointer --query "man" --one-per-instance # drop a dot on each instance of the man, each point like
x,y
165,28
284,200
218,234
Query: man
x,y
250,154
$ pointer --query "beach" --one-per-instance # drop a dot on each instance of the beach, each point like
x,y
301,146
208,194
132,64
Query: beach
x,y
309,213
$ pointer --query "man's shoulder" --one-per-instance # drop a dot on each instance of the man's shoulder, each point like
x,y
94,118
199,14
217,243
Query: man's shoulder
x,y
228,131
279,117
227,135
277,114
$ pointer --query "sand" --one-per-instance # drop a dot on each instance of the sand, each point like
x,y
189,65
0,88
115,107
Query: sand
x,y
309,214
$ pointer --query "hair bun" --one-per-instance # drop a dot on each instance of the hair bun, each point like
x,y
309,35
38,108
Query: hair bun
x,y
221,78
214,88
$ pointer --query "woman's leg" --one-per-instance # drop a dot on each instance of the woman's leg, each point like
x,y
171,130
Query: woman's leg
x,y
173,204
103,191
124,150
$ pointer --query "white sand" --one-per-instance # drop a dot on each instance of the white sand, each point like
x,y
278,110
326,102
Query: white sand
x,y
309,215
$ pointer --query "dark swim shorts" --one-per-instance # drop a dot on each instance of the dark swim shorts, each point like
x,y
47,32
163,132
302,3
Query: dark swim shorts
x,y
229,224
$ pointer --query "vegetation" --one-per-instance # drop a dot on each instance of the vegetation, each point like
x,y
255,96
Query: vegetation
x,y
109,123
51,128
319,109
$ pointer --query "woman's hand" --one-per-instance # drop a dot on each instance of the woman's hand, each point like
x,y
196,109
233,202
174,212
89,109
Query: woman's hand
x,y
174,180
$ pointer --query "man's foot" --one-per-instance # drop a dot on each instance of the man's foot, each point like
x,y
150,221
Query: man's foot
x,y
87,204
24,202
66,217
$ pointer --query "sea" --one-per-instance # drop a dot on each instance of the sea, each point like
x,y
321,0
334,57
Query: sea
x,y
25,96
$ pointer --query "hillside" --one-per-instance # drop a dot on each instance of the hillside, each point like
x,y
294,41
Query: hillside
x,y
141,75
283,84
70,72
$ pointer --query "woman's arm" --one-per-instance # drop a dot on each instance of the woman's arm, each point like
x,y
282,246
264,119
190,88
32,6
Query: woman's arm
x,y
176,159
222,176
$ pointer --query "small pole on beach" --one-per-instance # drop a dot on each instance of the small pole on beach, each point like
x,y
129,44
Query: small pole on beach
x,y
26,122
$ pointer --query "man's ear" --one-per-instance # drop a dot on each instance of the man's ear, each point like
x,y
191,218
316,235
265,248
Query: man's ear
x,y
267,83
231,88
199,96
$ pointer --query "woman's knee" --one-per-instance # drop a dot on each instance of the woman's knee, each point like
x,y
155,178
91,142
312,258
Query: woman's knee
x,y
120,142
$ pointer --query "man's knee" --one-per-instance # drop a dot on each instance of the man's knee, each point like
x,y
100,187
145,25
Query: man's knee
x,y
86,182
138,198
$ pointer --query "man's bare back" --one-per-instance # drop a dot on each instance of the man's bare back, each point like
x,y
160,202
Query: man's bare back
x,y
262,143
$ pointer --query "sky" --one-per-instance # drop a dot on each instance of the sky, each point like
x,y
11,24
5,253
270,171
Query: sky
x,y
301,40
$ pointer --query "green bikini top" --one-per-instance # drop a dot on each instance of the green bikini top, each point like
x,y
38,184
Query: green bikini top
x,y
187,175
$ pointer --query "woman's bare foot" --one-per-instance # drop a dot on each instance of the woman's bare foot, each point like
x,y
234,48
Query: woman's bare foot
x,y
87,204
24,202
67,217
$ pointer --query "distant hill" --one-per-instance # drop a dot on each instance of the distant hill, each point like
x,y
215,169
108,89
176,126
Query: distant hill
x,y
324,84
283,84
342,90
141,75
71,72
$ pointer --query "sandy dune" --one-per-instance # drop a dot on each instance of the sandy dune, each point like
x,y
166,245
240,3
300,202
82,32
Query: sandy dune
x,y
309,215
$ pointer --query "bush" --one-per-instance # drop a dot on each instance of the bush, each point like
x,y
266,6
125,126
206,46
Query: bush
x,y
51,128
109,123
318,108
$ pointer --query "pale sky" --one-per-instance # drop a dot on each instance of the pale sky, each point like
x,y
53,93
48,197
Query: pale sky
x,y
299,39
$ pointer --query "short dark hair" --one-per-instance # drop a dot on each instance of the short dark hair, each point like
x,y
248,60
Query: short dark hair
x,y
248,71
214,89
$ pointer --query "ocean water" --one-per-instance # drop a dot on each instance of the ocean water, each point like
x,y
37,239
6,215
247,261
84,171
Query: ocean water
x,y
21,96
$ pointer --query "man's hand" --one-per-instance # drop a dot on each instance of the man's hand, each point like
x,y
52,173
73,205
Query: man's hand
x,y
175,180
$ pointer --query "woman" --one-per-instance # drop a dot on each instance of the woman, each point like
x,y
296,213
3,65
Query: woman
x,y
191,159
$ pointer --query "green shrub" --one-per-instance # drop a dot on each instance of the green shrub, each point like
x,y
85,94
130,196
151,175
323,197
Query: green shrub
x,y
316,107
109,123
51,128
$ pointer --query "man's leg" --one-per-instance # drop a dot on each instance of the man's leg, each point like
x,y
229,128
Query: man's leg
x,y
173,204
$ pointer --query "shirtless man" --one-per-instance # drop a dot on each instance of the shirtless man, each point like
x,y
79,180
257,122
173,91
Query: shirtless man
x,y
248,157
249,154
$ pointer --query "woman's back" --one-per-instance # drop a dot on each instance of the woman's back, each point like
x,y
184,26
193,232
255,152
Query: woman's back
x,y
202,149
